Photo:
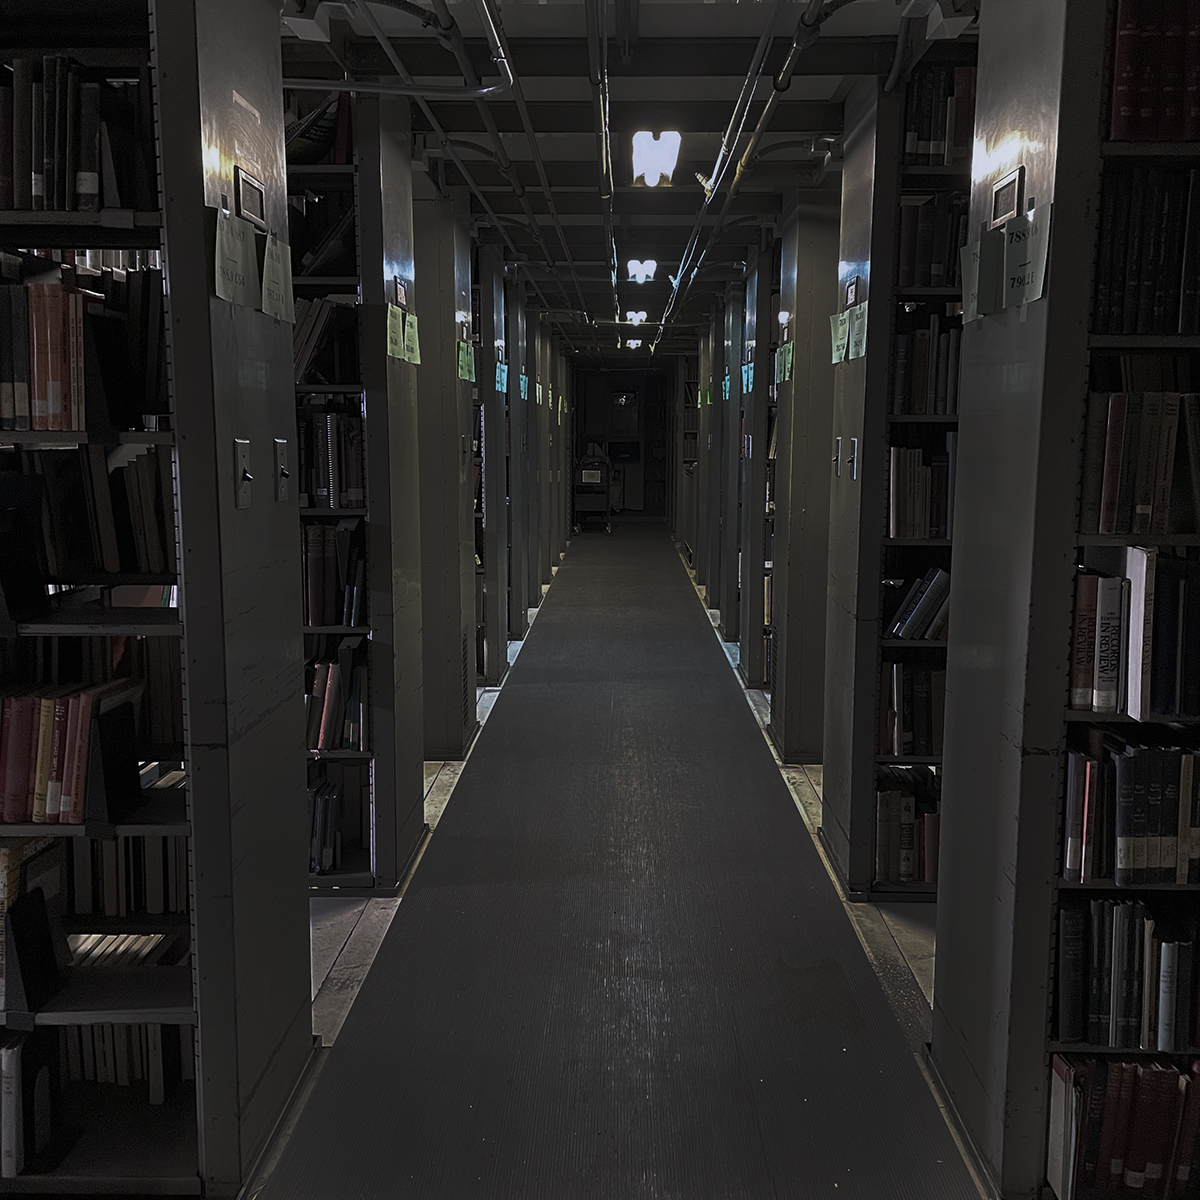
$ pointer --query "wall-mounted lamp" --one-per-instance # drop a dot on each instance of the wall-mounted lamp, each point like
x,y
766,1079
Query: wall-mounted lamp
x,y
639,272
654,158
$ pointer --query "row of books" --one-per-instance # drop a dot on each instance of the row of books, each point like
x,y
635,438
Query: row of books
x,y
933,229
160,664
126,1055
336,701
333,563
325,816
906,839
1126,977
103,512
1148,265
1155,73
318,130
70,142
924,613
920,492
1122,1128
315,323
925,378
41,357
939,124
1133,638
146,873
45,740
331,461
1132,815
912,710
1141,463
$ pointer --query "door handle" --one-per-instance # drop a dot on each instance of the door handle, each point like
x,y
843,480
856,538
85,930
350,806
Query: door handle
x,y
837,457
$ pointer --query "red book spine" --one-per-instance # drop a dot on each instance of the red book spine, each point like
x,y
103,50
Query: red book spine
x,y
1108,1123
1191,72
79,778
1113,442
14,756
1116,1162
1125,73
1180,1167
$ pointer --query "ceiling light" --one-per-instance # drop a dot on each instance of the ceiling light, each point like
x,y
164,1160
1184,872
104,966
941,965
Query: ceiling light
x,y
654,158
635,318
641,271
633,343
783,316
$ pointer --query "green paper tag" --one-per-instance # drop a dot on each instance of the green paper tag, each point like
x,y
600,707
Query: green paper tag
x,y
277,281
858,331
839,333
395,331
412,343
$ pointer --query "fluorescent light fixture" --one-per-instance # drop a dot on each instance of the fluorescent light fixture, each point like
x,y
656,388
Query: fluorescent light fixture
x,y
635,318
784,316
641,271
633,343
654,158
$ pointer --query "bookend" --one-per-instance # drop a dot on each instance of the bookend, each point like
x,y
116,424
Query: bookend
x,y
31,972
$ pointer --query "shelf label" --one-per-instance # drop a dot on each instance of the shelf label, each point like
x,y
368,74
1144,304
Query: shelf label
x,y
783,362
466,362
395,331
839,334
236,274
990,289
725,388
539,393
502,378
857,320
524,387
968,263
1026,247
277,280
412,342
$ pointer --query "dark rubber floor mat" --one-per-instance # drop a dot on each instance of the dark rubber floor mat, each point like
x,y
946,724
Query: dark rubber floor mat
x,y
621,971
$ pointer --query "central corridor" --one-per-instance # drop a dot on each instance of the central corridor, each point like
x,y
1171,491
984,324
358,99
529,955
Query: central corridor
x,y
621,970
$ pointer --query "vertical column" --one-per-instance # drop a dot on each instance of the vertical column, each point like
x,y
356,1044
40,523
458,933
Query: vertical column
x,y
800,579
858,499
731,462
545,457
700,529
443,299
1023,383
393,477
756,339
518,462
534,439
493,343
218,70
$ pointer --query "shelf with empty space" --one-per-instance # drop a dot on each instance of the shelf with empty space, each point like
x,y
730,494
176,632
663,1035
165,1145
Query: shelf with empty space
x,y
349,630
909,760
164,922
1138,539
123,1144
325,281
333,512
929,293
298,169
121,995
912,643
962,170
333,389
342,755
1150,149
1144,341
66,439
1096,718
1107,885
916,541
923,419
88,621
108,229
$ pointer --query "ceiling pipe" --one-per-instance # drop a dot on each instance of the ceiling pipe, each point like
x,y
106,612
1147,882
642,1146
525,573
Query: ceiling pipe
x,y
495,23
408,86
597,39
385,44
733,131
450,35
907,24
808,29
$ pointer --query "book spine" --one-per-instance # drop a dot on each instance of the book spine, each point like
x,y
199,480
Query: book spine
x,y
1071,980
1108,646
1083,641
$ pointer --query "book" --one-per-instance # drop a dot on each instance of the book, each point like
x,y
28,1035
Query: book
x,y
1107,659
